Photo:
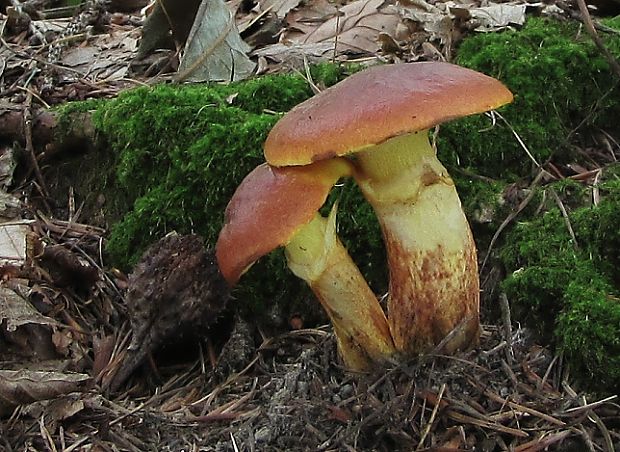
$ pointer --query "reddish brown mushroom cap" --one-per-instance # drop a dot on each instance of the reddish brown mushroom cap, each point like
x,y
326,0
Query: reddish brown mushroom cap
x,y
374,105
268,208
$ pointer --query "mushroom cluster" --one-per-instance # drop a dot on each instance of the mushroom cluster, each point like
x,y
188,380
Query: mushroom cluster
x,y
374,127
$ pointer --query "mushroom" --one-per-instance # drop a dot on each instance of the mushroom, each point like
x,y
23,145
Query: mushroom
x,y
380,118
279,207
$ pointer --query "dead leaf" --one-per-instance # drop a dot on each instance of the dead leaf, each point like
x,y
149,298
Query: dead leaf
x,y
78,56
27,332
8,163
294,55
17,311
214,50
13,242
492,17
67,267
498,16
433,20
356,27
62,340
64,408
103,348
279,7
306,18
10,207
339,414
19,387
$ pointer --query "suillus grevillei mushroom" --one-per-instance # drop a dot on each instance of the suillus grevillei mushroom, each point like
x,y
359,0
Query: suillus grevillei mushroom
x,y
379,118
275,207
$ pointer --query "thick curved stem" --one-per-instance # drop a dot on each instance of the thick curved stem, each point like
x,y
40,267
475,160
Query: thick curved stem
x,y
316,255
434,286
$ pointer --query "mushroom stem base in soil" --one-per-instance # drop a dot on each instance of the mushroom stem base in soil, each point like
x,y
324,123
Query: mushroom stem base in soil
x,y
434,285
316,255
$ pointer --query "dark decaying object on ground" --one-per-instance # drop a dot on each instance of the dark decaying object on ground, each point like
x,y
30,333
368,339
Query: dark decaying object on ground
x,y
176,289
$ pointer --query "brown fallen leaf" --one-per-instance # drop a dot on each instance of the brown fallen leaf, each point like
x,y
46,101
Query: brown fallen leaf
x,y
19,387
16,310
295,55
278,7
214,50
355,28
339,414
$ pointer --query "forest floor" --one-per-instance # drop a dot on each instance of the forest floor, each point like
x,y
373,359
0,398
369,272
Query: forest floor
x,y
64,322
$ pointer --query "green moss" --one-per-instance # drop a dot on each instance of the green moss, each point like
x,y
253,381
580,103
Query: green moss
x,y
589,331
361,234
64,111
560,81
569,290
599,229
181,151
482,200
612,22
277,93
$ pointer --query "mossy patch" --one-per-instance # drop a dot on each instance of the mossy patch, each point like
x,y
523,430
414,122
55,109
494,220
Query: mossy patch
x,y
180,152
483,202
562,85
567,287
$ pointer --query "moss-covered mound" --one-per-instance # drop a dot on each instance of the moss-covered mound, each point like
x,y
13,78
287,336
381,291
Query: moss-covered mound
x,y
562,84
180,152
567,286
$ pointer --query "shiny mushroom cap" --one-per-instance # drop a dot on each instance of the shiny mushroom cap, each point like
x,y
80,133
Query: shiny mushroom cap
x,y
268,208
379,103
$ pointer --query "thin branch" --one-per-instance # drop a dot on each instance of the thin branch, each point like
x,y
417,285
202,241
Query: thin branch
x,y
587,21
30,147
569,226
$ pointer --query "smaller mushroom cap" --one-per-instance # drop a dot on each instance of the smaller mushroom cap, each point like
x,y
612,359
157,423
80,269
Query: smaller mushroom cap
x,y
268,208
379,103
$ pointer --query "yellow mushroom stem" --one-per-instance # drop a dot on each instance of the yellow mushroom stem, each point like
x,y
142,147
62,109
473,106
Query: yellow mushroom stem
x,y
434,286
316,255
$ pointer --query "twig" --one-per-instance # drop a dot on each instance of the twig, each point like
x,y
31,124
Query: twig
x,y
609,445
338,14
486,424
558,201
509,373
522,205
495,397
587,439
542,442
457,330
429,424
587,21
507,324
542,382
590,406
308,77
519,140
30,148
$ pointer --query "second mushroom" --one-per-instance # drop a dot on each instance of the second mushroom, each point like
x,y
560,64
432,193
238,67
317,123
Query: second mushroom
x,y
279,207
